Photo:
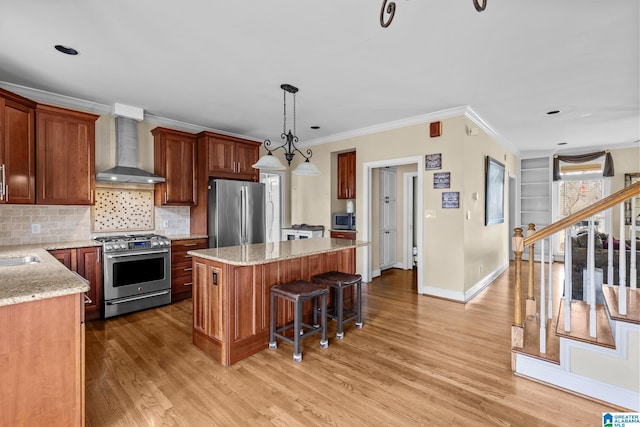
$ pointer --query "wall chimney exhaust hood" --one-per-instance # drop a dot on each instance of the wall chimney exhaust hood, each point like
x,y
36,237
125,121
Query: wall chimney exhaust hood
x,y
126,169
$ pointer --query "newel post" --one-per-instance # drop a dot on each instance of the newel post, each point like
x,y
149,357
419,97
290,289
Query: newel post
x,y
517,329
531,299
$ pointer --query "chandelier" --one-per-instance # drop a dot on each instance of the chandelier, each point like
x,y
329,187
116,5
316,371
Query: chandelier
x,y
391,10
269,162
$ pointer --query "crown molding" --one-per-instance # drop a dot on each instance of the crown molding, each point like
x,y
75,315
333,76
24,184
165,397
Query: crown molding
x,y
483,124
438,115
45,97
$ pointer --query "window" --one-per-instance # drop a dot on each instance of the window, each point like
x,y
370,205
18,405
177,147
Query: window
x,y
581,186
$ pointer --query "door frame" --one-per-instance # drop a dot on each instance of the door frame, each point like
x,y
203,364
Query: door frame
x,y
408,207
367,251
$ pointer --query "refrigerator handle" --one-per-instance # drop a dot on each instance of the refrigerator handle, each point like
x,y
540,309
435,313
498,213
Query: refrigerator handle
x,y
242,215
245,220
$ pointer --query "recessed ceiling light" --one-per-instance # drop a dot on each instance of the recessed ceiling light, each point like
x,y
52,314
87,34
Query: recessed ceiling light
x,y
66,49
553,112
315,127
562,143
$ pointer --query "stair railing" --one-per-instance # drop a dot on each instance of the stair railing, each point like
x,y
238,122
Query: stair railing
x,y
520,242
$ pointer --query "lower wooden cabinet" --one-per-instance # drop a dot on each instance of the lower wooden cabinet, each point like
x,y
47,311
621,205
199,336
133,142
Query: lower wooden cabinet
x,y
181,268
42,357
87,262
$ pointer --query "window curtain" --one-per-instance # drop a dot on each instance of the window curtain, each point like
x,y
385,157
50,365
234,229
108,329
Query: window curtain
x,y
581,158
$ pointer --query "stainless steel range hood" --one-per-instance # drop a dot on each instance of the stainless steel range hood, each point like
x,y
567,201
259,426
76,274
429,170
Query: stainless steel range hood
x,y
126,169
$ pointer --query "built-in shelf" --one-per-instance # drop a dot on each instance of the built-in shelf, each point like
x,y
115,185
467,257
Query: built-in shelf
x,y
535,193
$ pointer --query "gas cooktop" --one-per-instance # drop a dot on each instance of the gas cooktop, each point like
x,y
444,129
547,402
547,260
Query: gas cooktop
x,y
133,242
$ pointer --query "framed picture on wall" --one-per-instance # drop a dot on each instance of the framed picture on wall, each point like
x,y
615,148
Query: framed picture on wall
x,y
494,192
450,199
442,180
433,161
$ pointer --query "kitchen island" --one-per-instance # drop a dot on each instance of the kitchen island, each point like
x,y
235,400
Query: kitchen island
x,y
231,289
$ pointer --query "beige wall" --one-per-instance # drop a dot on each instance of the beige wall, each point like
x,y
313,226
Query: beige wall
x,y
454,249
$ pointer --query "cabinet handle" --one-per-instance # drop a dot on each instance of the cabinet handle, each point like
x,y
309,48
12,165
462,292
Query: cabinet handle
x,y
189,244
3,178
87,300
91,197
188,284
6,192
188,269
165,197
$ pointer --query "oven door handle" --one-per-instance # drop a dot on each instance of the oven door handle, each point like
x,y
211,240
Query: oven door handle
x,y
138,253
139,297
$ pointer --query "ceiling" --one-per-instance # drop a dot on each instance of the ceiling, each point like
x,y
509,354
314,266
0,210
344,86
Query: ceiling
x,y
219,64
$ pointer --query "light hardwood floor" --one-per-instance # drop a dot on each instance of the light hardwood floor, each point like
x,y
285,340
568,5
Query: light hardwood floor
x,y
417,361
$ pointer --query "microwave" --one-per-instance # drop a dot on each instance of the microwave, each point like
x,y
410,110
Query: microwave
x,y
343,221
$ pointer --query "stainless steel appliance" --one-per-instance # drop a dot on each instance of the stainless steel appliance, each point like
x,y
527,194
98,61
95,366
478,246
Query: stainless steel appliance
x,y
236,213
343,221
137,272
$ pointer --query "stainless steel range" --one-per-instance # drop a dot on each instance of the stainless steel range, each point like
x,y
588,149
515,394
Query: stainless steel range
x,y
137,272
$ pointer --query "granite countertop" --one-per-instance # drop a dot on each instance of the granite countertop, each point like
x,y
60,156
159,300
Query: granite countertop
x,y
262,253
46,279
186,236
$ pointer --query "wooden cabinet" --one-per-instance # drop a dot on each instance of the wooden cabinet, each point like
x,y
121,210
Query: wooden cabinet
x,y
231,302
87,262
17,149
65,156
42,355
347,175
175,158
350,235
221,156
229,157
181,267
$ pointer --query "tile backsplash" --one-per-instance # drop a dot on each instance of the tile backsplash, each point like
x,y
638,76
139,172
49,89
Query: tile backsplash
x,y
71,223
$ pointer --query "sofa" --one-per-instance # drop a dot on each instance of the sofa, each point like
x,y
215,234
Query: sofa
x,y
601,256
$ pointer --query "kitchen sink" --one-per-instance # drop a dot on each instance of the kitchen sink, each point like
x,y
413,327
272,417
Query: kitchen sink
x,y
22,260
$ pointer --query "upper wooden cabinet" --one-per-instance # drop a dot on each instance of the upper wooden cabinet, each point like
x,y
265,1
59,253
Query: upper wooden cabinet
x,y
17,149
347,175
229,157
65,156
175,158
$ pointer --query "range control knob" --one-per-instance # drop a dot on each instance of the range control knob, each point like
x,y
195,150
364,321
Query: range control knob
x,y
123,246
108,247
154,243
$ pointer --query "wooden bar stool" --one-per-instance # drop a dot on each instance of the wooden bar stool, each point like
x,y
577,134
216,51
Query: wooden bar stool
x,y
339,281
298,292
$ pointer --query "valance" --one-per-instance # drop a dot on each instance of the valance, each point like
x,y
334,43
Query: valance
x,y
581,158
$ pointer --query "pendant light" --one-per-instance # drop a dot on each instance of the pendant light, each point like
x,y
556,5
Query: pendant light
x,y
269,162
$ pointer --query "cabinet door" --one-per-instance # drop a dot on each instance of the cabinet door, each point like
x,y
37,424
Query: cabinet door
x,y
90,267
67,257
65,153
175,160
207,300
17,148
247,155
220,156
347,175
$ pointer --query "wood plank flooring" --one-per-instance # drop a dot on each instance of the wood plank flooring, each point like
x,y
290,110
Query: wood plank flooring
x,y
417,361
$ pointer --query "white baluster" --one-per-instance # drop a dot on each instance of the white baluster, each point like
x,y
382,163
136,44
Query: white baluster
x,y
633,272
550,299
567,280
610,254
591,296
543,317
622,267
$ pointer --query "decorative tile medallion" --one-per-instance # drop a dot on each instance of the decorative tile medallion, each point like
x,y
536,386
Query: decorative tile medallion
x,y
122,208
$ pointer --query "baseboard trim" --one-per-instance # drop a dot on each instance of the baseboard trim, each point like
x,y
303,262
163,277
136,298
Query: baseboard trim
x,y
466,296
557,376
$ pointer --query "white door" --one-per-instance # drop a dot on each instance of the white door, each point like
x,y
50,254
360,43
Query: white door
x,y
388,220
273,206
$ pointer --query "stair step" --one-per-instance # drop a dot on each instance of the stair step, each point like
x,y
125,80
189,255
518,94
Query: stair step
x,y
580,324
532,340
633,304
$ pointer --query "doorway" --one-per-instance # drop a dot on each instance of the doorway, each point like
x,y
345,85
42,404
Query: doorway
x,y
274,200
367,220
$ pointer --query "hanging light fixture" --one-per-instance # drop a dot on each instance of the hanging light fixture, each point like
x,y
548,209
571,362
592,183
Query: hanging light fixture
x,y
269,162
390,10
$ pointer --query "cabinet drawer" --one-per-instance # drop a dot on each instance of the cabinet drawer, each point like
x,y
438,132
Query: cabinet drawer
x,y
181,284
181,270
351,235
189,245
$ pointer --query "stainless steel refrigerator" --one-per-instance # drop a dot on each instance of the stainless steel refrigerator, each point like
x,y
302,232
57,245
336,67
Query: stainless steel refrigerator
x,y
236,213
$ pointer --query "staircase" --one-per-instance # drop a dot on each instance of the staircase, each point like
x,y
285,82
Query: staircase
x,y
590,347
